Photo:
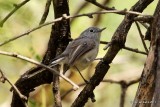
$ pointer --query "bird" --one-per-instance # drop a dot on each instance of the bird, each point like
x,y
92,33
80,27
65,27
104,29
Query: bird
x,y
80,52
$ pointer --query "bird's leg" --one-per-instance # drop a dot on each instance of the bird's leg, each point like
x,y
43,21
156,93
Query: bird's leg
x,y
92,96
87,82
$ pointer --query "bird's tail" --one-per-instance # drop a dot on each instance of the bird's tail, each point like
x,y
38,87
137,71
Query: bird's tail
x,y
53,63
57,61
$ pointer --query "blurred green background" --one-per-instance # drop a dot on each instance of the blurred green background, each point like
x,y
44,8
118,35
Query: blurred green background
x,y
126,66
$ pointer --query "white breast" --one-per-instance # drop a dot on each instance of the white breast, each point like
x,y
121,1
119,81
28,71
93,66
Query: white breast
x,y
86,59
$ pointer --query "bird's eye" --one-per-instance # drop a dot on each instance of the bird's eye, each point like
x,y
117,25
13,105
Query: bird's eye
x,y
91,30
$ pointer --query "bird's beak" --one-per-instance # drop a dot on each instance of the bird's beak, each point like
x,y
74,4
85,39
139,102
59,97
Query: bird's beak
x,y
102,29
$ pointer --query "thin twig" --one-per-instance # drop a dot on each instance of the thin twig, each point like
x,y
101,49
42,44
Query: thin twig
x,y
16,7
78,9
122,81
99,5
110,11
29,31
90,15
3,78
106,80
142,37
94,2
75,87
124,87
123,93
135,50
127,48
98,18
46,11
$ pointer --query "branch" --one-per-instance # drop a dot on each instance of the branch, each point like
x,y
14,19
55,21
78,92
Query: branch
x,y
135,50
29,31
98,18
3,78
122,81
99,5
124,86
46,11
142,37
75,87
144,19
127,84
128,48
90,15
16,7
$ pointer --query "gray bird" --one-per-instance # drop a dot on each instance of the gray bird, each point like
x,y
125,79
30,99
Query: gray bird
x,y
82,51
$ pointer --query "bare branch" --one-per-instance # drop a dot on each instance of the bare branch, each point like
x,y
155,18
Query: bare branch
x,y
99,5
106,80
127,48
46,11
98,17
16,7
75,87
142,37
144,24
79,8
90,15
135,50
121,81
3,78
29,31
124,86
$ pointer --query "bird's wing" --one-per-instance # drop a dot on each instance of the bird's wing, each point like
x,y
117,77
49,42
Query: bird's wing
x,y
79,47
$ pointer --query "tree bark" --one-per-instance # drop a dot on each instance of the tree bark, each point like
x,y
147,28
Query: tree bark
x,y
148,94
